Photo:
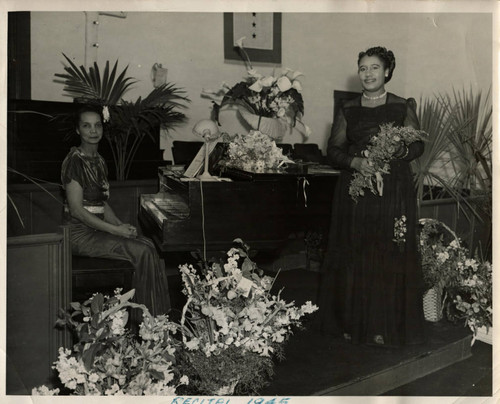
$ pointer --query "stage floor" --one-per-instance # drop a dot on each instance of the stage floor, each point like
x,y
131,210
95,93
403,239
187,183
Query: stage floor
x,y
316,364
322,365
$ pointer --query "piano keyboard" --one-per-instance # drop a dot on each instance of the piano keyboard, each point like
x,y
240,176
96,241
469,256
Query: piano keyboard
x,y
171,206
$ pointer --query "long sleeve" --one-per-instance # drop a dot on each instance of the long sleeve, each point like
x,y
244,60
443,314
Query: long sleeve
x,y
416,148
337,148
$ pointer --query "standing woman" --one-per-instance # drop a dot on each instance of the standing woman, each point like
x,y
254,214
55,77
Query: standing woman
x,y
372,289
95,229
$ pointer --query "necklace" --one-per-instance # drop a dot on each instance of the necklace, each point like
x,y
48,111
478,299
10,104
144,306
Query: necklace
x,y
377,97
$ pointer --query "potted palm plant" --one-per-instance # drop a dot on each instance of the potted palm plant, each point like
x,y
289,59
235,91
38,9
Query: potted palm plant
x,y
455,168
129,122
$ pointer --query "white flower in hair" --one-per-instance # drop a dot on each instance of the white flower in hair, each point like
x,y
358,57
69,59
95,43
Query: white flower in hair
x,y
105,113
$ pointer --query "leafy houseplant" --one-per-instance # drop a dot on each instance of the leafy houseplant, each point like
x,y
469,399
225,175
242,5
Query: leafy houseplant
x,y
108,359
128,122
456,161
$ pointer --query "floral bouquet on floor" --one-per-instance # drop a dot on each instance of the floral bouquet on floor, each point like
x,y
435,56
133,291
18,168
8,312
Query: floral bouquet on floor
x,y
267,103
233,326
467,281
108,359
255,152
380,151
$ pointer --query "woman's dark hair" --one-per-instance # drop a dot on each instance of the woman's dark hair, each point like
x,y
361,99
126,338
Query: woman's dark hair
x,y
87,108
386,56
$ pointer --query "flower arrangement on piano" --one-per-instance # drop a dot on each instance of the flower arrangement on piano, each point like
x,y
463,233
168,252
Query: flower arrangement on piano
x,y
380,151
232,326
230,330
254,152
260,97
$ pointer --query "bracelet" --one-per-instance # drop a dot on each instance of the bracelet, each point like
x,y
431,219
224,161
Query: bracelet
x,y
405,153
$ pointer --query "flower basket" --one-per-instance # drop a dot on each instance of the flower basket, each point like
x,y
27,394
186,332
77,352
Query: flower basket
x,y
440,250
449,266
232,326
275,128
433,310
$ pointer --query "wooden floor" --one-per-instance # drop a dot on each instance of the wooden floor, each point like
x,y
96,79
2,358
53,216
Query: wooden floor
x,y
322,365
319,365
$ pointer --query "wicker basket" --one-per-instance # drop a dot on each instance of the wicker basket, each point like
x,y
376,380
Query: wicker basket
x,y
433,310
433,298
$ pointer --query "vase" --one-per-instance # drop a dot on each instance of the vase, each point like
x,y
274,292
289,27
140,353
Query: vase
x,y
432,304
275,128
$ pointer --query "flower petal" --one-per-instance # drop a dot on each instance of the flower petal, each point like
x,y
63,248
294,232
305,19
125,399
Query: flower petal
x,y
257,86
267,81
239,42
254,73
296,84
284,84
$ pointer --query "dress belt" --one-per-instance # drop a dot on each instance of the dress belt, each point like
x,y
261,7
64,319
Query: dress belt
x,y
92,209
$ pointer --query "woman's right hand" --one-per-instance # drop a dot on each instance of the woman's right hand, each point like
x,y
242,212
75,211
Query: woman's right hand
x,y
362,165
126,230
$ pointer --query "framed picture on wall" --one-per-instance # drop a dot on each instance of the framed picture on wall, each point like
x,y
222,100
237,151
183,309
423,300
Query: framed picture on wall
x,y
262,32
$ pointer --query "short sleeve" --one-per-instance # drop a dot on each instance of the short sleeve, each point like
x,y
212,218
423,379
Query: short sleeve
x,y
72,169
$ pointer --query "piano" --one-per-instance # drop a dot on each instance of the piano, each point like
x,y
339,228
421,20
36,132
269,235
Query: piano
x,y
261,209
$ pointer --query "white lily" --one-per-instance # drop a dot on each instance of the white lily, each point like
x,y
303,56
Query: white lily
x,y
257,86
239,42
296,84
254,73
307,131
292,74
216,96
268,81
284,83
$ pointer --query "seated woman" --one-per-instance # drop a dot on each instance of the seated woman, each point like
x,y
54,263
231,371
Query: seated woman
x,y
95,229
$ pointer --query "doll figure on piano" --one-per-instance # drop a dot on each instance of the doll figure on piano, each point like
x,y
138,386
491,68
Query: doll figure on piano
x,y
209,131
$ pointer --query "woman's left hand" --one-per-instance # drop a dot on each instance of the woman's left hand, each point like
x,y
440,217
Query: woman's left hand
x,y
400,151
127,230
133,230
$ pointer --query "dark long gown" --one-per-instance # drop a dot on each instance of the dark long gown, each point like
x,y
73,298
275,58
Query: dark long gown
x,y
371,286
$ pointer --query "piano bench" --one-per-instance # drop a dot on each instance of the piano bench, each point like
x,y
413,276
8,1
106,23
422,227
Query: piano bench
x,y
91,275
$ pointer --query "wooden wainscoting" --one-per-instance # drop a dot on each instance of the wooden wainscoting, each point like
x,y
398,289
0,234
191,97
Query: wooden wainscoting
x,y
38,285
